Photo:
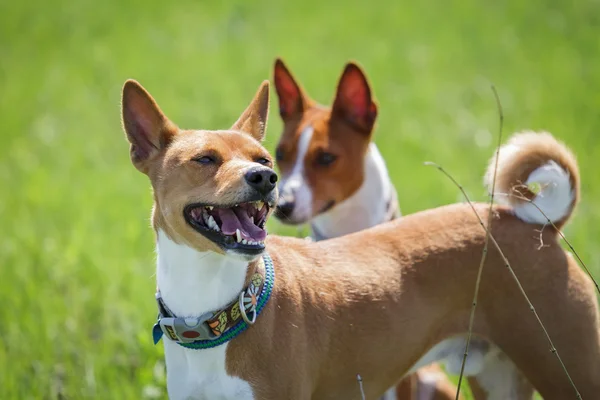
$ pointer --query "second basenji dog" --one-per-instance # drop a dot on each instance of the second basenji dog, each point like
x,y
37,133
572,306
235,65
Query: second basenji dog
x,y
333,177
332,174
246,316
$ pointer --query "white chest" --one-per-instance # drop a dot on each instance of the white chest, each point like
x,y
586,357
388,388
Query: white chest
x,y
365,208
192,283
201,375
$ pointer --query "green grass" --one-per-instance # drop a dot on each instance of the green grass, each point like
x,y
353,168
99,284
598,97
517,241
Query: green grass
x,y
76,250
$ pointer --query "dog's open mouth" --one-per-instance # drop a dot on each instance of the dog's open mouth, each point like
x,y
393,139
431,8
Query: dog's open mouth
x,y
241,226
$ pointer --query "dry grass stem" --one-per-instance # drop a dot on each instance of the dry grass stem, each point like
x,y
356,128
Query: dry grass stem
x,y
514,276
485,248
563,237
360,385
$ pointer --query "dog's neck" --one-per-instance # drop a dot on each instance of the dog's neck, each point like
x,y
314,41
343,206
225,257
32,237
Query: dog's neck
x,y
193,282
365,208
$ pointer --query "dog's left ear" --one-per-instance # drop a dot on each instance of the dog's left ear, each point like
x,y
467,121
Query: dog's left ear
x,y
254,119
353,102
148,130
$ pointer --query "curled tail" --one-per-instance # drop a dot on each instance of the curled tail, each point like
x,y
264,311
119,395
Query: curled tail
x,y
536,168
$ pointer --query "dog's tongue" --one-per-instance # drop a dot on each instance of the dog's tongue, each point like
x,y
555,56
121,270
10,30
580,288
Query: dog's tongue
x,y
232,219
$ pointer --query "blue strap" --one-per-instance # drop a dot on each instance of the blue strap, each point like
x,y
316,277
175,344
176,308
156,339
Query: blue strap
x,y
240,327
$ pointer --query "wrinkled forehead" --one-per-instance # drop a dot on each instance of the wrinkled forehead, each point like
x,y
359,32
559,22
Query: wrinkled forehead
x,y
227,144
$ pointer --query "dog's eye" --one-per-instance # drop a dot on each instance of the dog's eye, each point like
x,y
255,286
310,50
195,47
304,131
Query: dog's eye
x,y
204,160
325,159
263,161
279,155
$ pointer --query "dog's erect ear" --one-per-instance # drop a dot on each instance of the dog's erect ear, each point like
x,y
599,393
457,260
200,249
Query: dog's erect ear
x,y
254,119
147,128
353,100
291,97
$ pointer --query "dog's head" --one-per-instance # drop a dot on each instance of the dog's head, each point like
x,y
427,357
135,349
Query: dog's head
x,y
321,151
213,190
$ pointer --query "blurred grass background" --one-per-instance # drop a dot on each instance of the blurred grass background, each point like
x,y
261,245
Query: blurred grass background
x,y
76,252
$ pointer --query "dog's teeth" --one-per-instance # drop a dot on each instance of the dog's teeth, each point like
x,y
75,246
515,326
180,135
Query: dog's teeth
x,y
244,241
216,227
238,235
211,222
252,219
209,208
259,205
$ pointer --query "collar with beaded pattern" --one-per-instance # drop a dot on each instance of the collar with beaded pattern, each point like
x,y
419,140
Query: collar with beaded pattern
x,y
215,328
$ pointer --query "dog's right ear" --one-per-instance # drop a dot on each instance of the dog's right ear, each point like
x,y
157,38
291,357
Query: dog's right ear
x,y
147,128
254,119
353,101
291,97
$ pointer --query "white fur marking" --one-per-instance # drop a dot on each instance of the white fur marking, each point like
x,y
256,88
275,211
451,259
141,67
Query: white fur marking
x,y
556,195
494,371
365,208
554,198
499,377
192,283
390,395
294,186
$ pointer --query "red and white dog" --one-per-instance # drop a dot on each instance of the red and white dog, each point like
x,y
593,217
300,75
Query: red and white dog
x,y
333,176
244,316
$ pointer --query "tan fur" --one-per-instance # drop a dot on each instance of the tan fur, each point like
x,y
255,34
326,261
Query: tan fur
x,y
254,118
178,180
375,301
332,133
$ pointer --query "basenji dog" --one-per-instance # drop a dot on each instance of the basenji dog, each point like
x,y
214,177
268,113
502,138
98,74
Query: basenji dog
x,y
332,174
333,177
246,316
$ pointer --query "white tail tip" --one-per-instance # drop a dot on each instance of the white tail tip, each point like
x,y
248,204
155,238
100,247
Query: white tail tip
x,y
541,168
554,197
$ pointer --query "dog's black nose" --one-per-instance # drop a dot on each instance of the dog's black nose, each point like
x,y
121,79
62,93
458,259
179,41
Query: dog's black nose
x,y
261,179
284,209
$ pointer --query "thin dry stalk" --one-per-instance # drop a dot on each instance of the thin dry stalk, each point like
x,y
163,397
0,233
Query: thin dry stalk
x,y
360,385
541,237
485,248
512,272
563,237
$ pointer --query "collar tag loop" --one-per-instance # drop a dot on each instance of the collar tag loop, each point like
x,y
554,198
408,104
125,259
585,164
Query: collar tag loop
x,y
215,328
